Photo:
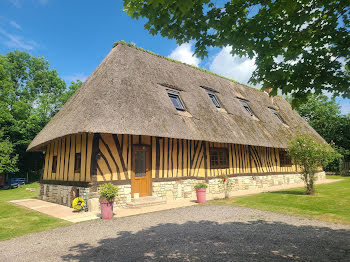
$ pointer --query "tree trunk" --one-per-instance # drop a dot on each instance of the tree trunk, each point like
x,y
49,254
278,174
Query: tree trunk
x,y
309,181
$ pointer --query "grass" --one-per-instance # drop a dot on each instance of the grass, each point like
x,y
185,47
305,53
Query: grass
x,y
330,203
17,221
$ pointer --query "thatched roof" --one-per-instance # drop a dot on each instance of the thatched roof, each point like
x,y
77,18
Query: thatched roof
x,y
124,96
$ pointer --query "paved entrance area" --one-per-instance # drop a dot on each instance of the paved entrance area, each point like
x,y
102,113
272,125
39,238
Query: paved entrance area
x,y
56,210
196,233
66,213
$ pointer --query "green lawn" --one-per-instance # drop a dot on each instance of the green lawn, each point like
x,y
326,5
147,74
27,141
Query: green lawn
x,y
16,221
330,203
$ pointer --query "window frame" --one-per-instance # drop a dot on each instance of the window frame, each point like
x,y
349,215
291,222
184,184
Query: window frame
x,y
285,160
177,96
212,96
76,165
246,106
278,115
54,164
217,151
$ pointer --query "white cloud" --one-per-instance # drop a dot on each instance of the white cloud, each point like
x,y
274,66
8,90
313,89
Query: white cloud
x,y
15,41
235,67
184,54
74,77
16,3
15,25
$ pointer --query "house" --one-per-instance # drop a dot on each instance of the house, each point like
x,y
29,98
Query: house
x,y
157,127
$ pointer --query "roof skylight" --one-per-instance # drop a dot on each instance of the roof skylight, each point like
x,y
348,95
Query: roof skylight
x,y
246,106
214,99
176,100
275,112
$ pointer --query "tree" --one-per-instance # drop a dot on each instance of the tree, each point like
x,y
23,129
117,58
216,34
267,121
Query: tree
x,y
8,161
309,155
31,93
299,46
324,115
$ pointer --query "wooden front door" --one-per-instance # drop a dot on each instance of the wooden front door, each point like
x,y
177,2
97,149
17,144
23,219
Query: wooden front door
x,y
141,175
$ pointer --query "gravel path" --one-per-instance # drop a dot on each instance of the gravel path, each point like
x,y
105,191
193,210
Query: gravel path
x,y
198,233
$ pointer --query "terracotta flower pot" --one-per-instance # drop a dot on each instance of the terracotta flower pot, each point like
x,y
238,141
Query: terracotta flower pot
x,y
201,193
106,208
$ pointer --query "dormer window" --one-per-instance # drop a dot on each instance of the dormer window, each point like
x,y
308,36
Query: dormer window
x,y
246,106
275,112
214,99
176,100
211,92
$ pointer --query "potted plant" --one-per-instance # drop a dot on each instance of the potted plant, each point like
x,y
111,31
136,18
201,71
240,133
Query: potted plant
x,y
200,192
108,192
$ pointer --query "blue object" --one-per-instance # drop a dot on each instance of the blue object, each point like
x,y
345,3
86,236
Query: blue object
x,y
14,182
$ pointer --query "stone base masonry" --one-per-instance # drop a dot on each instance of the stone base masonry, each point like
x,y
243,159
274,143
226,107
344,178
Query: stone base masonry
x,y
172,190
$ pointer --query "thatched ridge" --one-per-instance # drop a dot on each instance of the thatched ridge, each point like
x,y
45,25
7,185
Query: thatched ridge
x,y
124,96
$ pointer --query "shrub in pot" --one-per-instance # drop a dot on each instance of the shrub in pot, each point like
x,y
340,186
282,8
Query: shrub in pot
x,y
201,192
108,192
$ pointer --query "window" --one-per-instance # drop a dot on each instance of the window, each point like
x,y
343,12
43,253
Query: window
x,y
214,99
218,157
246,107
284,158
54,164
140,163
176,100
77,163
274,111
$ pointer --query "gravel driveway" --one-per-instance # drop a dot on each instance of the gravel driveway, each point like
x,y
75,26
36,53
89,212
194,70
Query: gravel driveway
x,y
198,233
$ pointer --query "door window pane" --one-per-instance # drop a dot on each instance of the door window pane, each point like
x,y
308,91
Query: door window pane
x,y
140,163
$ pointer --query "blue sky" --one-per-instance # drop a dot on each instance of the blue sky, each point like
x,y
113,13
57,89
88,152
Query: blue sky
x,y
75,36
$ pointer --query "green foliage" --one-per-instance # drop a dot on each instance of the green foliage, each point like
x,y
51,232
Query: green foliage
x,y
8,161
108,191
310,155
200,185
324,115
298,46
31,93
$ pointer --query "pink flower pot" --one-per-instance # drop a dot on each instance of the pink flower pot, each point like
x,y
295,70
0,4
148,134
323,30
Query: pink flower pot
x,y
106,208
200,195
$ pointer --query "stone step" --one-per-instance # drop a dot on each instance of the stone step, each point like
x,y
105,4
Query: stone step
x,y
145,202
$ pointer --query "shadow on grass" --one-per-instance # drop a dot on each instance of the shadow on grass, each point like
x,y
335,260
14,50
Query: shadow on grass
x,y
211,241
291,192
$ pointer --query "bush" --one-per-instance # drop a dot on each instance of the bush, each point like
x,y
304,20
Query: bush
x,y
310,155
108,191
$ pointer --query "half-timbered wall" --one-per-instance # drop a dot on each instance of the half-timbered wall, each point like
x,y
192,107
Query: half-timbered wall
x,y
171,158
64,150
178,158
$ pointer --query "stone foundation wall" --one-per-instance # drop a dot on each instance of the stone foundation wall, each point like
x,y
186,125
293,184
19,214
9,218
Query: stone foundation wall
x,y
234,184
61,194
181,189
172,190
124,195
